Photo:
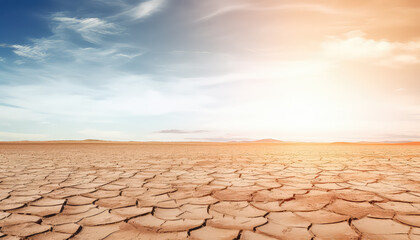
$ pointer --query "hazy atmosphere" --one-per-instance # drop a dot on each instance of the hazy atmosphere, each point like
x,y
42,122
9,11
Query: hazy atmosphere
x,y
186,70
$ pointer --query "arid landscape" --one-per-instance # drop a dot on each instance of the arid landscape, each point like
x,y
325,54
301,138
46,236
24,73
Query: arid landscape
x,y
210,120
117,190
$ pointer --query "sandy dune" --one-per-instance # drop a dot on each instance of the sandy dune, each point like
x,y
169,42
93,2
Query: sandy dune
x,y
96,190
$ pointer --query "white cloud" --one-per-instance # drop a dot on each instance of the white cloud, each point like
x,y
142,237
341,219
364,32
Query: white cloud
x,y
146,9
2,59
34,52
355,46
91,29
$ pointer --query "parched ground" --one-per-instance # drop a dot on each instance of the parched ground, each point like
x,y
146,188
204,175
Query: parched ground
x,y
209,191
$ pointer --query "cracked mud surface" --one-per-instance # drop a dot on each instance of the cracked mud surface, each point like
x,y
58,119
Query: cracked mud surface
x,y
209,191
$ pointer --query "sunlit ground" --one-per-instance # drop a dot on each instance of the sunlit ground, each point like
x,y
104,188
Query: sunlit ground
x,y
209,191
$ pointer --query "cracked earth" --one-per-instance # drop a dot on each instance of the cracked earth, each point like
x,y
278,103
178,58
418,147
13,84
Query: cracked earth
x,y
209,191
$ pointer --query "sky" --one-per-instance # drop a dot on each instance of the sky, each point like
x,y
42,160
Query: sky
x,y
220,70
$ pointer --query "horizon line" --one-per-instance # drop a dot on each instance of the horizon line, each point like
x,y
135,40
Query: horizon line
x,y
260,141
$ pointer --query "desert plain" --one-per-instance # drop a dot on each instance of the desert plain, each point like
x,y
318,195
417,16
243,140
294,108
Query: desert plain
x,y
116,190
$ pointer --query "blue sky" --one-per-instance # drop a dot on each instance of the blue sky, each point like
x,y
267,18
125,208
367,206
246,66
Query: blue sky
x,y
186,70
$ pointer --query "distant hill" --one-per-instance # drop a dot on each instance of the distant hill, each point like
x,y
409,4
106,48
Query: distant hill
x,y
268,140
408,143
379,143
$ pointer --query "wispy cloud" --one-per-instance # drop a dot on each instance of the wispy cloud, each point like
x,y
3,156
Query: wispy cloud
x,y
9,105
34,52
66,45
225,10
90,29
255,6
178,131
145,9
355,46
